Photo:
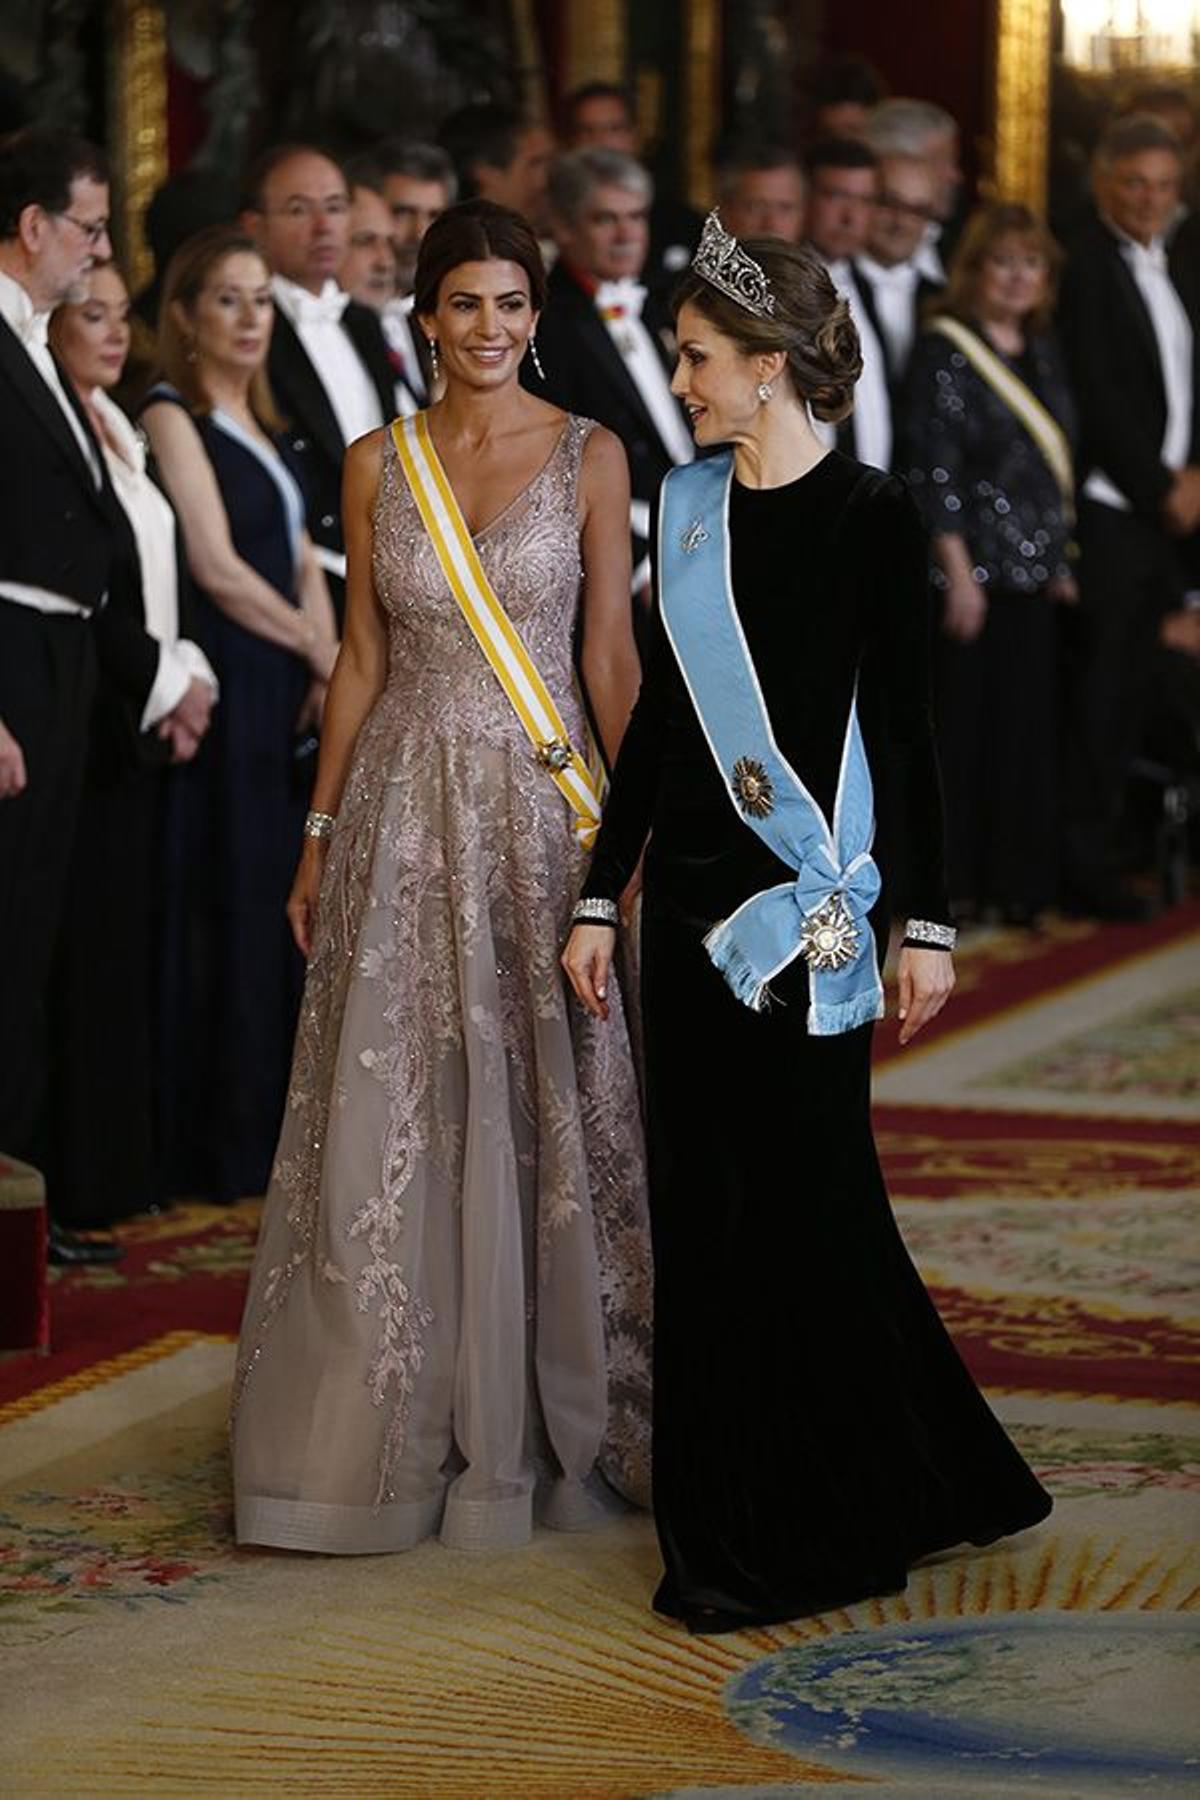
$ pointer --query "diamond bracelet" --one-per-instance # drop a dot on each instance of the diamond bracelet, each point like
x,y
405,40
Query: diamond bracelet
x,y
319,825
596,912
924,934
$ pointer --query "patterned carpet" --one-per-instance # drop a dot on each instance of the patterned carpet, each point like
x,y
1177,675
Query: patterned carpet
x,y
1057,1238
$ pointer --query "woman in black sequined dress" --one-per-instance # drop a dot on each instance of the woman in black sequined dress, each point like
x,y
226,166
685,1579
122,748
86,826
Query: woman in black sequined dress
x,y
1001,557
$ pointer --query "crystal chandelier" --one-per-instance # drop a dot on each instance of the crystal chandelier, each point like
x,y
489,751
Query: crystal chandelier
x,y
1109,35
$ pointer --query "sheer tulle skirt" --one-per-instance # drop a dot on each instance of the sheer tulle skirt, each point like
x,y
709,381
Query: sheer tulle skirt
x,y
448,1318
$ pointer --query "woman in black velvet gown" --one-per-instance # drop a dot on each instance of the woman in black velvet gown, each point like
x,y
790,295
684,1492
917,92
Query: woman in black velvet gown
x,y
815,1431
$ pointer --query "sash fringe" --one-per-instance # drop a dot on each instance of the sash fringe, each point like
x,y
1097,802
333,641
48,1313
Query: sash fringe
x,y
831,1021
741,974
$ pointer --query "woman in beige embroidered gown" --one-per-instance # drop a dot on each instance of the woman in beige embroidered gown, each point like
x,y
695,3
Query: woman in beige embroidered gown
x,y
448,1317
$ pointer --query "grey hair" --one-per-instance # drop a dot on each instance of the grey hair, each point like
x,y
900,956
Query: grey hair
x,y
1139,131
574,176
420,162
904,127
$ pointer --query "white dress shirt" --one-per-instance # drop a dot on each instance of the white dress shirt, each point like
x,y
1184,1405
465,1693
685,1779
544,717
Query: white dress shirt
x,y
153,523
927,257
619,304
30,326
894,291
872,405
317,319
1148,265
398,328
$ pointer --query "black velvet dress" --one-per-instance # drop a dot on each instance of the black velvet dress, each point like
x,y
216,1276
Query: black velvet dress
x,y
815,1431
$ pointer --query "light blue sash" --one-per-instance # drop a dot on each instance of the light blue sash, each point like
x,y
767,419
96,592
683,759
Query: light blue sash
x,y
823,913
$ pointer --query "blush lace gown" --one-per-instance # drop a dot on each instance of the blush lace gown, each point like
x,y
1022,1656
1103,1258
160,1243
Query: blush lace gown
x,y
448,1318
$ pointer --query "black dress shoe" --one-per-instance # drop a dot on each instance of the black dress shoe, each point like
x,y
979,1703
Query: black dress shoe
x,y
70,1249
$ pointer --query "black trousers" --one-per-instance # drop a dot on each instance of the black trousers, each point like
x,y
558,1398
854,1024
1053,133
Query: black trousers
x,y
95,1131
47,688
1130,575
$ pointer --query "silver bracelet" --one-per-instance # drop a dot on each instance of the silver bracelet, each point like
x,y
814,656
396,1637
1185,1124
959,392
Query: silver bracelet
x,y
319,825
930,936
596,912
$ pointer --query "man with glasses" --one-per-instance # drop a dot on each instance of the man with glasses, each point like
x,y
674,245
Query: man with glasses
x,y
328,365
895,266
70,605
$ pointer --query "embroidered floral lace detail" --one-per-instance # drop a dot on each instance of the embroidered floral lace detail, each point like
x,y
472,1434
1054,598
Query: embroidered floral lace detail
x,y
453,1125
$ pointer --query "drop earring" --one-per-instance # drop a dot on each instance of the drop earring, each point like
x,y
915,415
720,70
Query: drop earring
x,y
765,391
537,361
433,358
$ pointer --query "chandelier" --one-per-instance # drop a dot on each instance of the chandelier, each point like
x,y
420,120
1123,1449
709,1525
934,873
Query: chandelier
x,y
1109,35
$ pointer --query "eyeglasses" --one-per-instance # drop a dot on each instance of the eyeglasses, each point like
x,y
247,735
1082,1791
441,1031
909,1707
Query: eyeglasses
x,y
92,229
890,203
336,207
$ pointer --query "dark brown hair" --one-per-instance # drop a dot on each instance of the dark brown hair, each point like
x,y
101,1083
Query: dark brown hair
x,y
988,226
476,231
38,167
187,274
811,324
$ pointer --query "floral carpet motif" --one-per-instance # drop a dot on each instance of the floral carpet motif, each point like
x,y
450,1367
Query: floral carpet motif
x,y
1054,1662
1154,1052
151,1524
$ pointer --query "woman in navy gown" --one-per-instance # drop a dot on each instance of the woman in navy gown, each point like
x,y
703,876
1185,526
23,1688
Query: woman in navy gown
x,y
232,976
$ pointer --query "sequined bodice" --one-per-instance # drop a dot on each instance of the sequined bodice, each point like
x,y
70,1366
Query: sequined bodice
x,y
530,553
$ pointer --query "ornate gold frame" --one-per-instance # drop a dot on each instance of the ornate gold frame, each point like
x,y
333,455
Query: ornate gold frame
x,y
595,42
138,134
1021,101
702,50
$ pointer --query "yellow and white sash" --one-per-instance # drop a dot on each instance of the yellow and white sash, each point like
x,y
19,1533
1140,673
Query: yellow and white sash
x,y
580,782
1020,399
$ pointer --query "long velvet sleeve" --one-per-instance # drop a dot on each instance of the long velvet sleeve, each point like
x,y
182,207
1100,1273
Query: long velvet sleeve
x,y
900,669
634,786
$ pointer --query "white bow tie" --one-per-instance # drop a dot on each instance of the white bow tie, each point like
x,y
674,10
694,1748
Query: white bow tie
x,y
897,275
620,299
325,308
32,330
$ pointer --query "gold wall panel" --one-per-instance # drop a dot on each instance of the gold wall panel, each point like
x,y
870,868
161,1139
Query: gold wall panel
x,y
595,42
138,136
1021,101
701,71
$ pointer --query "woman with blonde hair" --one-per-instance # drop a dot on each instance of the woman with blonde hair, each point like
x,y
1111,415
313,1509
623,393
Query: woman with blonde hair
x,y
233,978
987,452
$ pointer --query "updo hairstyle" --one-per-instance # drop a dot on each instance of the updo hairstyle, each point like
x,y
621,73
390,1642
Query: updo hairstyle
x,y
476,231
811,324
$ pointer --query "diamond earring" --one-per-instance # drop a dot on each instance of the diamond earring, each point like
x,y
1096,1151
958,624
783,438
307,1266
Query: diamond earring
x,y
765,391
433,358
537,361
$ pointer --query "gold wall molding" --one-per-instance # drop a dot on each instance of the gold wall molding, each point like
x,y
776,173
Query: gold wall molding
x,y
595,46
138,136
1021,101
701,72
531,73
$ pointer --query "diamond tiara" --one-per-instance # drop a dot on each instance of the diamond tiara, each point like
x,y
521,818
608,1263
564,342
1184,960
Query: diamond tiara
x,y
721,261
